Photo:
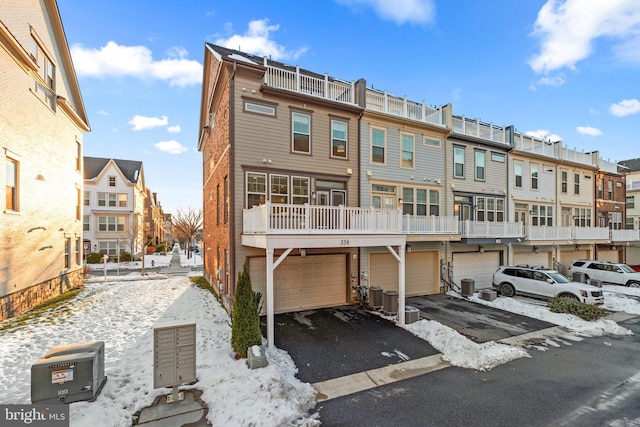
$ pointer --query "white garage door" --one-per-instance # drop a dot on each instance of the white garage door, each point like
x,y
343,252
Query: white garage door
x,y
422,274
303,283
608,255
531,258
476,266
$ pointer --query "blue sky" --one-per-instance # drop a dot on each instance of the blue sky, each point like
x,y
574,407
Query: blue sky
x,y
567,69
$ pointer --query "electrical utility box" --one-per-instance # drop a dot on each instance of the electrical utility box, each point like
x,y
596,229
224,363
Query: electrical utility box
x,y
174,354
69,373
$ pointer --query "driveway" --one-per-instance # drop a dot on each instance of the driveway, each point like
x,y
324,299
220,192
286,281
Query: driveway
x,y
340,341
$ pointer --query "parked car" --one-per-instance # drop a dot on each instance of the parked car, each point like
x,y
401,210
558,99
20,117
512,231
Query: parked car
x,y
544,283
195,248
607,272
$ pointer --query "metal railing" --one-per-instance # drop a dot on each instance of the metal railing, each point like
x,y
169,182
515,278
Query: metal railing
x,y
490,229
625,235
295,81
475,127
591,233
544,232
384,102
416,224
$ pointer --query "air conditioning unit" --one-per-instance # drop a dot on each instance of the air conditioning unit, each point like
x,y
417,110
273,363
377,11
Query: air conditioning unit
x,y
69,373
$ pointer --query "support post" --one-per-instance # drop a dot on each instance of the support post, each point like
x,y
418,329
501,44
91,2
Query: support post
x,y
270,306
401,284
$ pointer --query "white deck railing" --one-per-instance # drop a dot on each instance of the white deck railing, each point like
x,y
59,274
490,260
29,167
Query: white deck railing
x,y
312,219
381,101
625,235
490,229
295,81
534,145
474,127
577,156
414,224
543,232
591,233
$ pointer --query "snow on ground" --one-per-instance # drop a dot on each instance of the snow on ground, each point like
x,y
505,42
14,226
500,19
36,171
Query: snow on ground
x,y
154,260
123,310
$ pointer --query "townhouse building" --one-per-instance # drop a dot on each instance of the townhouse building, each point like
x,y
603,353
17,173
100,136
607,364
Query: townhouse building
x,y
319,184
632,210
153,219
42,122
114,206
167,229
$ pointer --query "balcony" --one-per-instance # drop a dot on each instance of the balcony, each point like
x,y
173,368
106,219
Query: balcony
x,y
591,233
474,127
312,219
491,230
625,235
544,232
295,81
531,144
429,224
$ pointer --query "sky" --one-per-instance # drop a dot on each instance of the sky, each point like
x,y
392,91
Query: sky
x,y
123,310
562,69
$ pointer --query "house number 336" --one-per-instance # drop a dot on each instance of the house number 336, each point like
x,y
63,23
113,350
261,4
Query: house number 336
x,y
344,242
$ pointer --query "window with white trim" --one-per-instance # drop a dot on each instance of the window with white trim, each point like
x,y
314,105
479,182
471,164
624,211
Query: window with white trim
x,y
111,248
338,139
46,81
301,138
407,151
615,220
600,191
112,200
517,171
631,202
299,190
542,215
254,107
378,145
489,209
434,202
497,157
12,173
576,183
458,162
86,223
67,253
87,198
279,188
256,189
564,179
110,223
534,177
112,181
582,217
610,190
481,157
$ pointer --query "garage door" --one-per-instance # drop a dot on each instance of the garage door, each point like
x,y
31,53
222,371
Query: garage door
x,y
569,256
608,255
633,255
477,266
531,258
422,275
303,283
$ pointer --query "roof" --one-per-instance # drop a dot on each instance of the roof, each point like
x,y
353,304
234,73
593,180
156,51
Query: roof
x,y
129,168
632,164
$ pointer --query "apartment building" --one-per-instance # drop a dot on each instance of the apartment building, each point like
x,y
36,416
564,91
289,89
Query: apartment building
x,y
42,122
115,196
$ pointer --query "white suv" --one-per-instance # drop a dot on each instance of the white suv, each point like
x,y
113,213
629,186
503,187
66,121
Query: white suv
x,y
543,283
607,272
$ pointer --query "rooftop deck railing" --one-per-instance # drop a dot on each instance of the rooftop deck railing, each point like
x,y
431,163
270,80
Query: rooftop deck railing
x,y
295,81
532,144
384,102
475,127
574,155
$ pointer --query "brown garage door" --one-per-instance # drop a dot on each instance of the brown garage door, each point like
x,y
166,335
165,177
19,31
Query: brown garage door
x,y
302,283
421,272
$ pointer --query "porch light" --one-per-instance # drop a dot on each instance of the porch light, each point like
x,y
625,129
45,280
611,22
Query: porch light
x,y
481,249
408,248
400,201
536,249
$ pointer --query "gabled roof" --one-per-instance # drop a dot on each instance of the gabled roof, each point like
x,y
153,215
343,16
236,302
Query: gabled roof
x,y
131,169
632,164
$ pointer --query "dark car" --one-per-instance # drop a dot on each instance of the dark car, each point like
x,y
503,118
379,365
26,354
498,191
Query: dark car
x,y
195,248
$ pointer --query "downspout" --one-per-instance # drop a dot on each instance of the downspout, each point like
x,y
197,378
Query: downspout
x,y
232,211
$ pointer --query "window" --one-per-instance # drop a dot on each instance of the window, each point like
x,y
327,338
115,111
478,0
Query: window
x,y
11,183
122,200
421,201
600,194
615,220
414,201
534,177
85,223
480,164
226,200
300,190
629,223
564,179
517,170
110,223
112,181
301,133
407,201
256,189
631,202
87,198
218,206
45,83
78,246
378,137
610,190
480,209
111,248
489,209
253,107
542,215
458,162
407,151
338,139
279,188
67,253
434,202
582,217
431,142
497,157
78,156
576,183
78,203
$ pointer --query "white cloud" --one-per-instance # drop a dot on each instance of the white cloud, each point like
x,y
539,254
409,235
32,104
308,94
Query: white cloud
x,y
257,41
544,134
588,130
136,61
568,28
399,11
625,107
174,129
142,122
555,81
103,113
171,147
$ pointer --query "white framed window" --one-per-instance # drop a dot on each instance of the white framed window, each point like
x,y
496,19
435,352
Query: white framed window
x,y
112,181
45,84
110,223
615,220
12,175
87,198
254,107
582,217
434,202
431,142
111,248
407,151
517,171
576,183
458,162
78,156
67,253
610,190
279,188
86,223
564,180
256,189
480,168
600,189
534,177
338,139
299,190
497,157
542,215
489,209
122,200
301,135
378,145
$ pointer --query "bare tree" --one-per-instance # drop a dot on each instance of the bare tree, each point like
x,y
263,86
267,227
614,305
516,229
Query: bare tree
x,y
186,225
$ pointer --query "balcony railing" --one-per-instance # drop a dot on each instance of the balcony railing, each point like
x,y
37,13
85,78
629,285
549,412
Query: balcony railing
x,y
625,235
543,232
384,102
312,219
415,224
474,127
577,156
534,145
295,81
591,233
490,229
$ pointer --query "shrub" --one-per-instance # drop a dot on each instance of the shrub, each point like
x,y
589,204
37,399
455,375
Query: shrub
x,y
94,258
577,308
245,322
125,256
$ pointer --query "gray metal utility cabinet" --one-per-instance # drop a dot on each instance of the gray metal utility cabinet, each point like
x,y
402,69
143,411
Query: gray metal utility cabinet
x,y
69,373
174,355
